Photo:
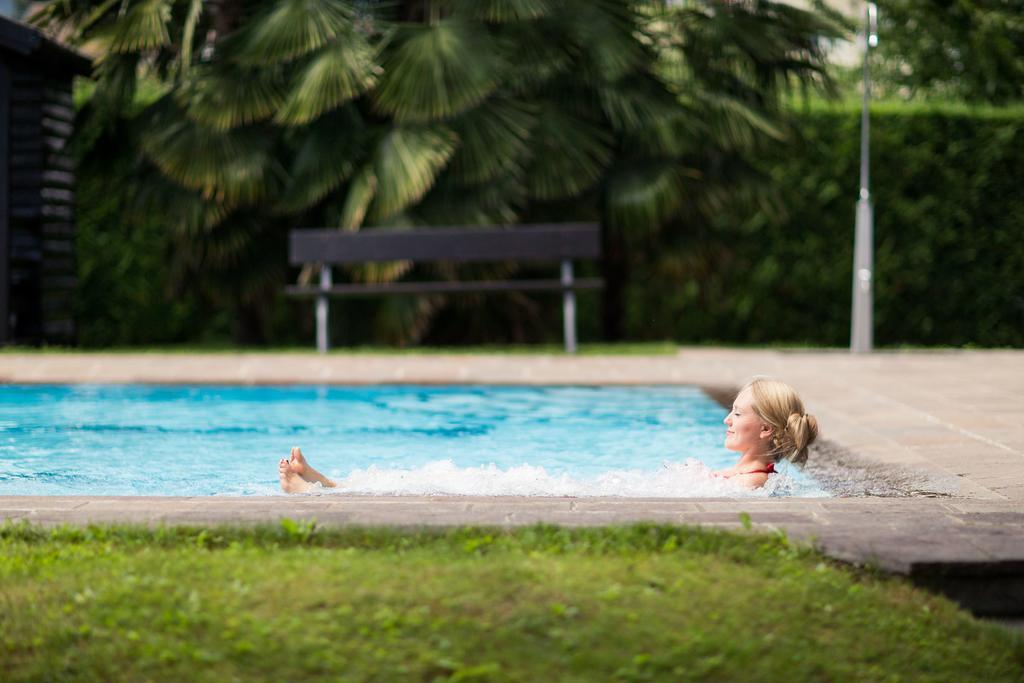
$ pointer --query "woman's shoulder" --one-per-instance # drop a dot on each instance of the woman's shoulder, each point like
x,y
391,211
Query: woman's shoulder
x,y
751,480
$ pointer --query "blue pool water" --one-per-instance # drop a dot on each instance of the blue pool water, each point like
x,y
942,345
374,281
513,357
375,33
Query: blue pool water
x,y
211,440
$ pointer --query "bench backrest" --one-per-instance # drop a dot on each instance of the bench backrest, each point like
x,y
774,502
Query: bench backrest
x,y
549,242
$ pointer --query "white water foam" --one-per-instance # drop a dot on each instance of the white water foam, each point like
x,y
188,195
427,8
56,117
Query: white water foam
x,y
689,479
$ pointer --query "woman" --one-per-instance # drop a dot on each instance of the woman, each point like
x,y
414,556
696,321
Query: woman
x,y
767,424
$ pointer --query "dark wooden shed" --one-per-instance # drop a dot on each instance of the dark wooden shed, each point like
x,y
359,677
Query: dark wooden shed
x,y
37,259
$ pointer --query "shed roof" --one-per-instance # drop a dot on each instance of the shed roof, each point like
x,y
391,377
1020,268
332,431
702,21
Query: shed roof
x,y
25,41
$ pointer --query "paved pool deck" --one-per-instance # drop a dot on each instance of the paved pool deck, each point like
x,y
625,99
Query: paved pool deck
x,y
955,418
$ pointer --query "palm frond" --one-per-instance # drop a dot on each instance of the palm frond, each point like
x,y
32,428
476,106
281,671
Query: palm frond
x,y
497,202
185,211
570,155
70,20
233,252
437,71
188,33
343,70
143,27
644,194
493,140
231,167
290,29
500,11
636,103
327,157
116,79
359,195
670,136
730,122
406,163
223,96
752,51
404,320
380,272
542,54
602,33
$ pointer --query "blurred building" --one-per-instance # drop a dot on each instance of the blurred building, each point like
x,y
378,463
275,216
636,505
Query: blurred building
x,y
841,52
37,263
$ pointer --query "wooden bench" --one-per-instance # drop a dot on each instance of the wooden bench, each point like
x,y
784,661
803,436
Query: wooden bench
x,y
561,242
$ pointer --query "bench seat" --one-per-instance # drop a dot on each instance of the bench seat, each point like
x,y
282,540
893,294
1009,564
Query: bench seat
x,y
560,242
446,287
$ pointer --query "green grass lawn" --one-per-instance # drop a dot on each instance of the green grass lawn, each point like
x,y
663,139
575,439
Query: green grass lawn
x,y
634,603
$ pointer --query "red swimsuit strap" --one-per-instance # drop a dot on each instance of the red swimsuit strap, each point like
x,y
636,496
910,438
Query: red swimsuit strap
x,y
767,470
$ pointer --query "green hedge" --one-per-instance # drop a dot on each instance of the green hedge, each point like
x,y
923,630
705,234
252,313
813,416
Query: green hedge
x,y
124,293
132,289
949,235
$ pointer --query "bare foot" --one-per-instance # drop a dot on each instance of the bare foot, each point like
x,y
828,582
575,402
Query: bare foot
x,y
298,463
291,481
298,476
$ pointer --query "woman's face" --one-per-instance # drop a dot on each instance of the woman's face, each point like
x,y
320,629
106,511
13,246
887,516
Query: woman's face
x,y
745,431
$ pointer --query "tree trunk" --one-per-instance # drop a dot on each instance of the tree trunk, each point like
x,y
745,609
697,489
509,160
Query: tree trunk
x,y
615,269
226,16
250,319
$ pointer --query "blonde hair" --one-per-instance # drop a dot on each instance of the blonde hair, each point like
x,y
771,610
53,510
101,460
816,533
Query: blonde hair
x,y
779,406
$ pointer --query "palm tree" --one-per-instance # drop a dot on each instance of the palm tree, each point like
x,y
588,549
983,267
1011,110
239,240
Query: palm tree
x,y
239,120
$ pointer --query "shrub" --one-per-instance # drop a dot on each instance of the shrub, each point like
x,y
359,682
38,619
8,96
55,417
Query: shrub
x,y
949,238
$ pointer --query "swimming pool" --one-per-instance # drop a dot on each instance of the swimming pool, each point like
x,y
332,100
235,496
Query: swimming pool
x,y
464,440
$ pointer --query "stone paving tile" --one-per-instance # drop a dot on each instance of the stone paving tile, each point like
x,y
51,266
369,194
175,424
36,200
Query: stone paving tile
x,y
12,504
958,506
1015,442
259,503
753,506
876,505
969,489
149,502
764,517
53,517
998,544
898,552
1001,485
1012,493
669,505
1000,517
974,459
197,517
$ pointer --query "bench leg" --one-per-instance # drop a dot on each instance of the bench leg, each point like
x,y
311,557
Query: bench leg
x,y
568,308
322,311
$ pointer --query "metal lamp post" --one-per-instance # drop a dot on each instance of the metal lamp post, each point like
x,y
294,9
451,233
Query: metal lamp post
x,y
861,323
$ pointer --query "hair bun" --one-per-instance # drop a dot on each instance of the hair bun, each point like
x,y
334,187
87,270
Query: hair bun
x,y
802,430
